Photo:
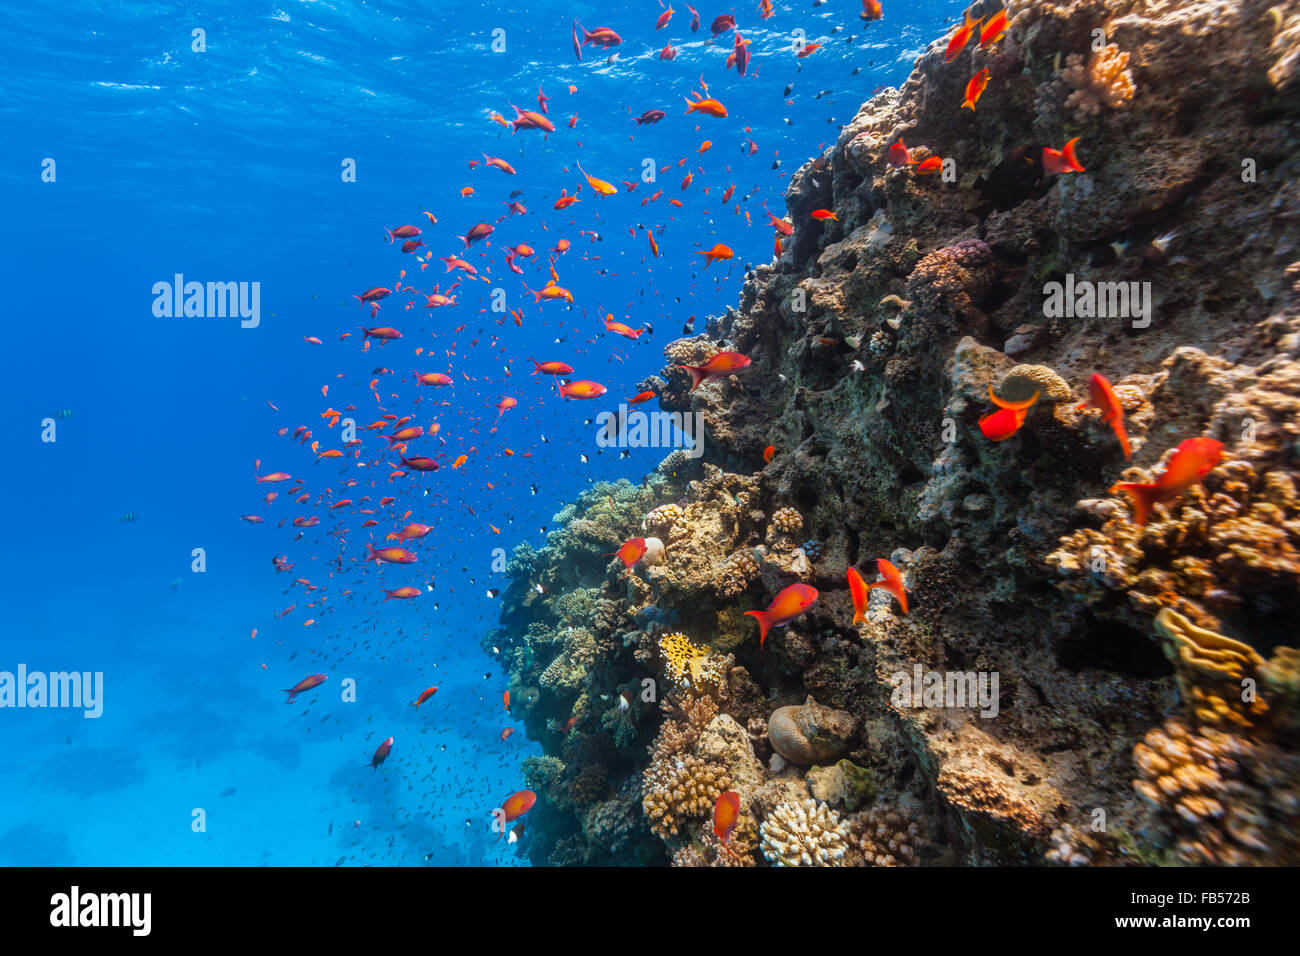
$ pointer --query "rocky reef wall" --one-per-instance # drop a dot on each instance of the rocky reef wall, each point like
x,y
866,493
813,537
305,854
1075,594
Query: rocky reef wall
x,y
1147,682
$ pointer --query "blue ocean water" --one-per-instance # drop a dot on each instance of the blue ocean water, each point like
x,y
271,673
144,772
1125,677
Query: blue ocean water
x,y
132,157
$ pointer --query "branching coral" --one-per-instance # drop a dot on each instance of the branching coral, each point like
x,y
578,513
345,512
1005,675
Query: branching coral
x,y
1104,81
687,718
735,574
786,521
677,790
1223,799
1232,540
806,833
887,835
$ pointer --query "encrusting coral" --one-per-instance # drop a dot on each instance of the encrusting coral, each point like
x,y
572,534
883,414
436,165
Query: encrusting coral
x,y
677,790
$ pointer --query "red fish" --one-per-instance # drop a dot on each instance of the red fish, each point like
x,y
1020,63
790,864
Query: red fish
x,y
307,683
433,378
390,555
419,463
551,368
929,166
632,551
640,397
665,17
516,805
1062,160
719,366
718,252
1194,459
1002,424
899,156
275,476
723,23
529,119
506,734
821,215
650,117
785,607
695,18
381,753
871,10
726,814
480,231
975,89
381,332
429,692
1102,397
601,36
994,29
961,37
768,453
402,232
861,591
374,295
582,388
402,593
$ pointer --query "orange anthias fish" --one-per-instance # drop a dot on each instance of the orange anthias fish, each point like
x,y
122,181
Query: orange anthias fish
x,y
900,156
719,366
975,89
1112,413
1194,459
718,252
726,814
618,328
551,368
307,683
871,10
861,591
390,555
507,733
994,29
633,550
785,607
1062,160
583,388
710,107
602,187
1002,424
929,166
821,215
961,37
768,453
402,593
429,692
516,805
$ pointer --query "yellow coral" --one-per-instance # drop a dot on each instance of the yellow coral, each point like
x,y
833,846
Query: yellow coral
x,y
689,664
1210,669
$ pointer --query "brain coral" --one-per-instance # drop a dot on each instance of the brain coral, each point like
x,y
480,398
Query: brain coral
x,y
806,833
1020,384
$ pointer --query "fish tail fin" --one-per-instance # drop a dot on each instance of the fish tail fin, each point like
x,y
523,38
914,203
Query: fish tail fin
x,y
390,235
967,104
1143,498
764,624
1068,152
696,373
537,366
1122,434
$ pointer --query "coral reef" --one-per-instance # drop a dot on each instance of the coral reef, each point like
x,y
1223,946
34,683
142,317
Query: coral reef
x,y
1107,650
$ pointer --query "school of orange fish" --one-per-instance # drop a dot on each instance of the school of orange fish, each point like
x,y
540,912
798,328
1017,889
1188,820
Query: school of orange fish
x,y
385,517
